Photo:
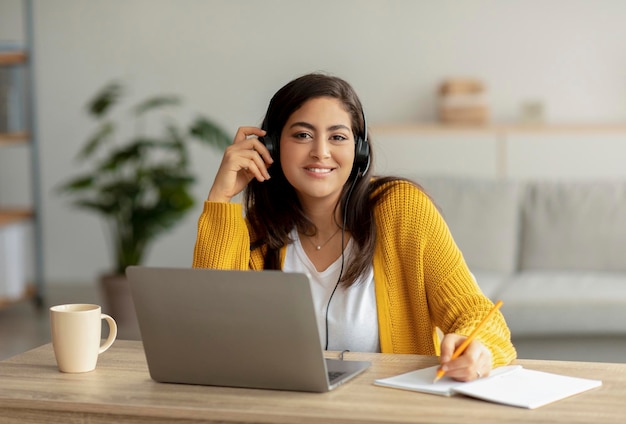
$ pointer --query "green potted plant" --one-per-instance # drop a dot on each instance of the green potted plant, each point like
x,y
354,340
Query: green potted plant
x,y
140,185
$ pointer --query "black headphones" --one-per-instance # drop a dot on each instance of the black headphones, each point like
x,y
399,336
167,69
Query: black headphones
x,y
361,150
362,156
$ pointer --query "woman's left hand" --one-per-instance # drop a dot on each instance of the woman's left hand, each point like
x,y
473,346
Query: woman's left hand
x,y
475,362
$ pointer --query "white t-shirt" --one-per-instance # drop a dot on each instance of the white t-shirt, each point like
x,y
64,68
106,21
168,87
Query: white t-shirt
x,y
352,317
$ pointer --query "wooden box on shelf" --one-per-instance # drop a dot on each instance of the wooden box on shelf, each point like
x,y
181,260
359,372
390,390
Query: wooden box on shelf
x,y
462,101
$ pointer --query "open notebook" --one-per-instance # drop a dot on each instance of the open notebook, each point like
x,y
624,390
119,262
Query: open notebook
x,y
510,385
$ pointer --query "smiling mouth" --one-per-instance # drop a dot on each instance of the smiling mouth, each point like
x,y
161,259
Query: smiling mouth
x,y
320,170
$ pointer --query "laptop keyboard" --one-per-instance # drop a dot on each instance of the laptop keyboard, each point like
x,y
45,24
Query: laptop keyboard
x,y
334,375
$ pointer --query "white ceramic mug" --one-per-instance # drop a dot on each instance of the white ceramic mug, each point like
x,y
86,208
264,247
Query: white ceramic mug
x,y
76,336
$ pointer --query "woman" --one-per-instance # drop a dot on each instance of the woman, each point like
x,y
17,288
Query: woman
x,y
385,271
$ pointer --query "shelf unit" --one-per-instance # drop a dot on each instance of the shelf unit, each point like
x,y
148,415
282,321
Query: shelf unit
x,y
11,215
502,150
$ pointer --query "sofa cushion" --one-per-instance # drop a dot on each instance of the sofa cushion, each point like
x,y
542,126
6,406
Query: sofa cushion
x,y
574,225
564,303
483,217
491,283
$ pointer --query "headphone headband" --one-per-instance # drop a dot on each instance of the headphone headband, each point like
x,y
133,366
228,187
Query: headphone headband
x,y
362,156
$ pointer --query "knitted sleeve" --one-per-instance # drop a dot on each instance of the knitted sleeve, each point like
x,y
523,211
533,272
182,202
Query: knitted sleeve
x,y
456,303
428,283
223,240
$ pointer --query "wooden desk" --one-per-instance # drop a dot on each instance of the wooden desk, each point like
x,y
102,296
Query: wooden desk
x,y
120,390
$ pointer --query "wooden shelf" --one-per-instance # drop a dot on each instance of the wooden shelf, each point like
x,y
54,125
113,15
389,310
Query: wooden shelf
x,y
11,216
13,58
20,137
19,59
435,127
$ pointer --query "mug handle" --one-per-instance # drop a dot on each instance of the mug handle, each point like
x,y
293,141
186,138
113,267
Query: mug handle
x,y
112,332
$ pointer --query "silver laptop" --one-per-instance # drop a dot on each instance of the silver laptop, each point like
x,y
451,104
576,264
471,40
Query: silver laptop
x,y
253,329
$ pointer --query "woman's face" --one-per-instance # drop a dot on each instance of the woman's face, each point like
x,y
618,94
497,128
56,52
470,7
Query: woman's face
x,y
317,149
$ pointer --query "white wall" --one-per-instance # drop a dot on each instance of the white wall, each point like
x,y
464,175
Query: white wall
x,y
227,58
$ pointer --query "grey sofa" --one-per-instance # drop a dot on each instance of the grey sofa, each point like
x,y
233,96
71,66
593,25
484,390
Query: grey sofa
x,y
553,251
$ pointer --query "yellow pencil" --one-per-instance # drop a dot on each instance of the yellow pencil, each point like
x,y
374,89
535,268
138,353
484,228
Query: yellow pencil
x,y
466,342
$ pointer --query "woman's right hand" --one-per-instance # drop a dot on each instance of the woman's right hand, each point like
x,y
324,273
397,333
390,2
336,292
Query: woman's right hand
x,y
245,159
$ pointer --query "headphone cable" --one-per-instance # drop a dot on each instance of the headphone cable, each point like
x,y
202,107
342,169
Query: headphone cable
x,y
343,234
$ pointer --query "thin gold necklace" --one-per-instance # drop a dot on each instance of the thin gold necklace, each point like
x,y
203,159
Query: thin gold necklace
x,y
319,246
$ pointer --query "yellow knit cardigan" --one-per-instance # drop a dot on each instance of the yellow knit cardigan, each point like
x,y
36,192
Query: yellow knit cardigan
x,y
421,280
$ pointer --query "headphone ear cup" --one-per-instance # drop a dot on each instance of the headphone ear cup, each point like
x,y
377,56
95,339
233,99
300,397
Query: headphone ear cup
x,y
361,156
271,145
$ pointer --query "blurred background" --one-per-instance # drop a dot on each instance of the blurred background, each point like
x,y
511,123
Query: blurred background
x,y
227,58
558,61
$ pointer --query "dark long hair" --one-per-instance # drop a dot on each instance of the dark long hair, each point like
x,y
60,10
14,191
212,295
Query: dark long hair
x,y
273,208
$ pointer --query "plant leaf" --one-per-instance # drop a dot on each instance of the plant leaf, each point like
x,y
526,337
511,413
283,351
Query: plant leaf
x,y
92,144
105,208
78,183
129,153
105,99
209,132
155,103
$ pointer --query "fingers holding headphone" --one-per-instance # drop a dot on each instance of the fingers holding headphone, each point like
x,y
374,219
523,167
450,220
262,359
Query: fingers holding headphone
x,y
245,159
247,147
